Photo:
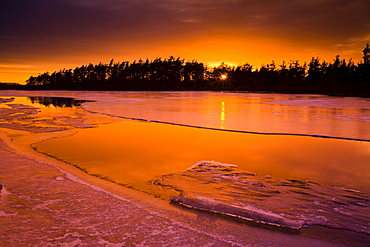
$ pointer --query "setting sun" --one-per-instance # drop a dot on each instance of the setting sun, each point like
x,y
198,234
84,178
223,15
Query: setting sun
x,y
223,76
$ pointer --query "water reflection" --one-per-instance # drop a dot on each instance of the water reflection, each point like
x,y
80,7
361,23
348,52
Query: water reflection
x,y
336,162
133,153
271,113
145,154
57,101
47,114
222,116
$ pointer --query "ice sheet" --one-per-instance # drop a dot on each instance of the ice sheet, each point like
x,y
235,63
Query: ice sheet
x,y
343,117
226,189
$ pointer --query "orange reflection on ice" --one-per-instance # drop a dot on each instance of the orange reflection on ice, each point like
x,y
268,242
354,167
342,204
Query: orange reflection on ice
x,y
222,116
131,152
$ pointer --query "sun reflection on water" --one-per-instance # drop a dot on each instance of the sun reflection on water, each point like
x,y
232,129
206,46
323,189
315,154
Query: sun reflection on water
x,y
222,116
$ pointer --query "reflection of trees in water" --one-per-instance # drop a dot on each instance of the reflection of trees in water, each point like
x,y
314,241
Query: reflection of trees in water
x,y
57,101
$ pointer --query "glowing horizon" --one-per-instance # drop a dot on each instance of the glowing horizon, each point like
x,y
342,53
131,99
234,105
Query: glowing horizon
x,y
49,36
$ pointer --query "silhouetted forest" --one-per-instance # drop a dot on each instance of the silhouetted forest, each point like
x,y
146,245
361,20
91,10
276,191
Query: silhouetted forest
x,y
338,77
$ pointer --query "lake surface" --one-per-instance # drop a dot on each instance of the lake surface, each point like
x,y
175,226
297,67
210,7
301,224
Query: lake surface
x,y
194,148
267,113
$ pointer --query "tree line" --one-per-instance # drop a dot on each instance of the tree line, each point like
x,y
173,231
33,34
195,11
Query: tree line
x,y
339,76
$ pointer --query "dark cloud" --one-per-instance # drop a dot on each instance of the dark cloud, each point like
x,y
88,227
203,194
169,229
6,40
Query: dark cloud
x,y
62,19
59,21
96,19
330,20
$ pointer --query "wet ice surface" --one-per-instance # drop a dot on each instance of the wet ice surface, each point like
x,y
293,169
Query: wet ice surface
x,y
294,114
226,189
42,205
343,117
48,207
22,113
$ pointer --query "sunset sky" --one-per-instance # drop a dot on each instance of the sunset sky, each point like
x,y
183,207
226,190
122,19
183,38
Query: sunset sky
x,y
47,35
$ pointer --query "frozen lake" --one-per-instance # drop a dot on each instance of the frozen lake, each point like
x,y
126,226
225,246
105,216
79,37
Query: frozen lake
x,y
267,113
155,146
344,117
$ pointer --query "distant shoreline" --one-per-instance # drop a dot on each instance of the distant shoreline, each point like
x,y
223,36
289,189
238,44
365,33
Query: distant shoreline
x,y
338,78
359,95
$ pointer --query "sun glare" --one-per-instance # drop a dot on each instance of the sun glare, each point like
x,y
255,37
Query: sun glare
x,y
223,76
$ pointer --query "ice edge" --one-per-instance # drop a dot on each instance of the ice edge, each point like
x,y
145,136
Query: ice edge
x,y
258,216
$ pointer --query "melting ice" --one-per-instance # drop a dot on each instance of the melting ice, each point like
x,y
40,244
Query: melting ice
x,y
226,189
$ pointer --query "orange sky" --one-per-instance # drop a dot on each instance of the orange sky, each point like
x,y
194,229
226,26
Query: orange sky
x,y
42,35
